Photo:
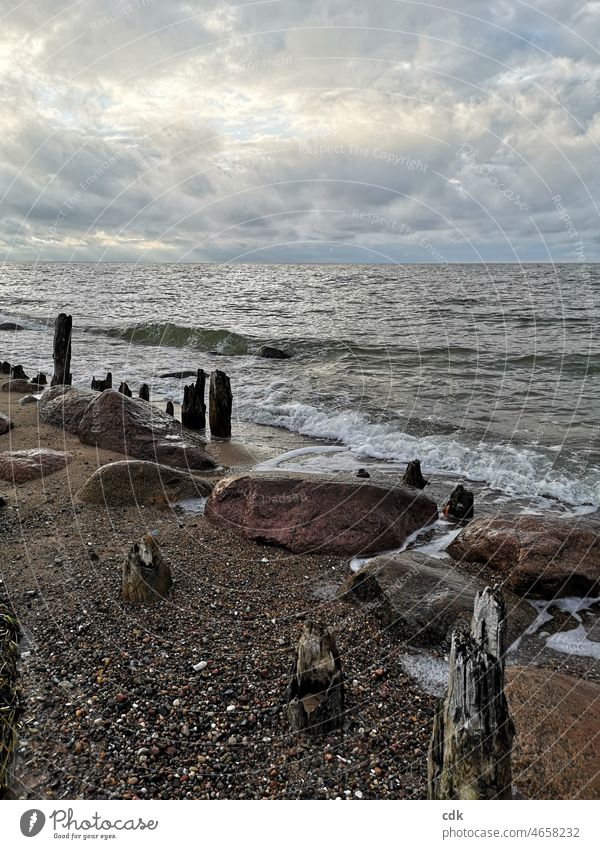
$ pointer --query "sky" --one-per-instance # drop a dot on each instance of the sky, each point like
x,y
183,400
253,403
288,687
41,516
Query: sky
x,y
300,131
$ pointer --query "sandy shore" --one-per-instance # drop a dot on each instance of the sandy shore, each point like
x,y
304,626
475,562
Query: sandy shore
x,y
113,707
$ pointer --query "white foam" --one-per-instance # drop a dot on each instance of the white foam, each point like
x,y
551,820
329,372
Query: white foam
x,y
357,562
513,469
574,641
437,548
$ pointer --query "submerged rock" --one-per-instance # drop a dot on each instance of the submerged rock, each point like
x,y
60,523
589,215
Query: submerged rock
x,y
556,752
11,325
64,406
21,466
269,353
543,556
318,514
422,599
140,482
139,430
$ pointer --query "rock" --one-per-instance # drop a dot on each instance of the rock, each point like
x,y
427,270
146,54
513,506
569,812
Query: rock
x,y
28,399
319,513
539,555
5,424
21,387
146,575
556,753
179,374
11,325
422,600
139,430
21,466
460,505
270,353
140,482
362,473
64,406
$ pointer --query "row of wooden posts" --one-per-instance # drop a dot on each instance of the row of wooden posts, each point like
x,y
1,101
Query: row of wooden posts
x,y
193,410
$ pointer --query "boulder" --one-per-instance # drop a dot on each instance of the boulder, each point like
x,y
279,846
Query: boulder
x,y
137,429
21,387
28,399
556,751
270,353
11,325
64,406
5,424
140,482
422,600
318,513
543,556
21,466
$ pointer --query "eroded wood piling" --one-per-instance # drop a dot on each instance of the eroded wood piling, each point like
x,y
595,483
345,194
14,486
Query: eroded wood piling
x,y
62,350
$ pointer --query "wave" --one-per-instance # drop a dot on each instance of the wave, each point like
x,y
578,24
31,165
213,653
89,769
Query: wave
x,y
514,469
181,336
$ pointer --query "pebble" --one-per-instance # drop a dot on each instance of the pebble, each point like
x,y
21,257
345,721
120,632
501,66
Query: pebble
x,y
198,667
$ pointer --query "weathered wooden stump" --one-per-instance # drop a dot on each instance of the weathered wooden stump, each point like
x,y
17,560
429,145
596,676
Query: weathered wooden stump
x,y
471,745
413,477
315,693
61,354
40,379
18,373
460,505
146,576
5,367
10,698
170,409
125,390
101,385
193,410
219,402
144,392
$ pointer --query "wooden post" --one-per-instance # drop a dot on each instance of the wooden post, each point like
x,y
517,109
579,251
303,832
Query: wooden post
x,y
413,477
144,392
146,576
5,368
193,410
170,409
40,379
101,385
315,693
460,506
220,399
471,745
62,350
17,373
125,390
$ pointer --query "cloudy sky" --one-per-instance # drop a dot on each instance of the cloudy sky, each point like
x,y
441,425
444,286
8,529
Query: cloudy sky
x,y
292,130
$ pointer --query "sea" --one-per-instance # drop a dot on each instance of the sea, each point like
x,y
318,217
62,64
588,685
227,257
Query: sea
x,y
486,373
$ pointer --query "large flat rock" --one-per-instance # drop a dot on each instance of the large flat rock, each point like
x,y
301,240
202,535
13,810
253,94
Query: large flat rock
x,y
319,514
556,753
22,466
543,556
421,599
138,429
140,482
64,406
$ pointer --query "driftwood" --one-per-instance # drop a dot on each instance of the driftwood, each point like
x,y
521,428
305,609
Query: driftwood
x,y
125,390
146,576
220,400
413,477
170,409
315,693
460,505
144,392
470,749
101,385
193,410
63,327
17,373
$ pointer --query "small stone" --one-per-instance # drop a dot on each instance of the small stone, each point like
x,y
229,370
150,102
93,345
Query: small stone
x,y
230,708
198,667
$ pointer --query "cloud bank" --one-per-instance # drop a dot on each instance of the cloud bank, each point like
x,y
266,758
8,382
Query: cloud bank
x,y
299,131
